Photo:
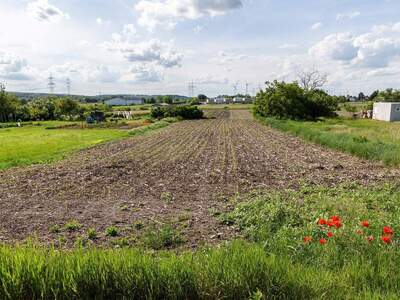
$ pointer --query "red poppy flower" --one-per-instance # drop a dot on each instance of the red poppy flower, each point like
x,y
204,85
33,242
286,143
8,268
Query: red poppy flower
x,y
335,218
337,223
322,241
386,239
331,223
307,239
370,238
322,222
330,234
365,224
387,230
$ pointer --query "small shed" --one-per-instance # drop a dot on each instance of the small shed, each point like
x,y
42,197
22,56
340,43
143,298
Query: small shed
x,y
387,111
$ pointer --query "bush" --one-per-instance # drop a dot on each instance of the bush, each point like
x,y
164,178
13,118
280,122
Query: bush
x,y
290,101
186,112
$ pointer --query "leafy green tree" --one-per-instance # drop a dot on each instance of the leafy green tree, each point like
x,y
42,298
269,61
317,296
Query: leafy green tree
x,y
389,95
8,105
66,107
290,101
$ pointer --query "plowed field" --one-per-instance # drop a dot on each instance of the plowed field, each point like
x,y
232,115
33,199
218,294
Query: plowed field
x,y
182,175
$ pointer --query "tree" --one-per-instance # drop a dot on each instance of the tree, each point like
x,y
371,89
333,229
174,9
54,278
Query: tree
x,y
361,96
374,95
291,101
8,105
66,107
312,80
202,97
389,95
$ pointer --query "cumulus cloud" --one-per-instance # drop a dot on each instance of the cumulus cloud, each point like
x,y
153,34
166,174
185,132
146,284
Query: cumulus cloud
x,y
351,15
143,73
316,26
212,79
227,57
374,49
15,68
77,71
152,51
102,22
43,11
169,12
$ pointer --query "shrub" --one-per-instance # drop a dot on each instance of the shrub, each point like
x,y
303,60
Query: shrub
x,y
73,225
183,111
92,233
290,101
112,231
163,237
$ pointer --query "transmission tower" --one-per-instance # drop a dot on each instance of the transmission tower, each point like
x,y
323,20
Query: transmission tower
x,y
191,87
235,87
51,84
247,88
68,82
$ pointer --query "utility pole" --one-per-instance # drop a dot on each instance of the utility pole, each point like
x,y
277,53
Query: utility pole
x,y
191,89
68,86
51,84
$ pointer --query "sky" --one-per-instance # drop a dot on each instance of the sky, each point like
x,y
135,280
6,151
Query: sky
x,y
160,46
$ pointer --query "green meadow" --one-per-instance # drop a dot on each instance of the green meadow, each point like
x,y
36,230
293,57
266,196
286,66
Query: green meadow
x,y
43,142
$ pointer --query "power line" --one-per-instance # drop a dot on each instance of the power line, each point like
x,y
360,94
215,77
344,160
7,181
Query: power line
x,y
51,84
247,88
191,87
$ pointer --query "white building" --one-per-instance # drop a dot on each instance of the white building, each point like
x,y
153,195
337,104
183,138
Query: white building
x,y
123,102
239,100
386,111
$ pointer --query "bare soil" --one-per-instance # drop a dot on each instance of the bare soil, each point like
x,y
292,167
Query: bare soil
x,y
181,175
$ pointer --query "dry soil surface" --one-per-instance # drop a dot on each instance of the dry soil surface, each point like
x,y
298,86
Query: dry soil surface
x,y
181,175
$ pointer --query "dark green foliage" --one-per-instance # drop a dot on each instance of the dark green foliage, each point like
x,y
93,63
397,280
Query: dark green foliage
x,y
389,95
290,101
185,112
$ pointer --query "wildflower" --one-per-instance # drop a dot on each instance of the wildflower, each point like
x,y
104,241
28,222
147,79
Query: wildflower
x,y
330,234
322,241
365,224
387,230
307,239
370,238
322,222
331,223
335,218
337,223
387,239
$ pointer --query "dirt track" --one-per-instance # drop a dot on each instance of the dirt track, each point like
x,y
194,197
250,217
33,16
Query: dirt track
x,y
195,164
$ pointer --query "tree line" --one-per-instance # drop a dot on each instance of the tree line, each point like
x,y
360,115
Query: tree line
x,y
13,109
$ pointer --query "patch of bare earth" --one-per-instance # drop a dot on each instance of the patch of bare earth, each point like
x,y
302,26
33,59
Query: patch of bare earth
x,y
182,175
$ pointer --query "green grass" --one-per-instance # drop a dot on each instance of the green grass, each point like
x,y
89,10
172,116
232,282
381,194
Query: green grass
x,y
43,142
369,139
274,263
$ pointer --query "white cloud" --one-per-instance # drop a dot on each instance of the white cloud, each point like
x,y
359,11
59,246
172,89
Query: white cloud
x,y
151,51
227,57
336,47
102,74
143,73
374,49
212,79
168,12
316,26
350,15
15,68
43,11
198,29
102,22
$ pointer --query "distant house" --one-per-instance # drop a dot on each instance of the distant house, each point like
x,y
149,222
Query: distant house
x,y
124,102
239,100
386,111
